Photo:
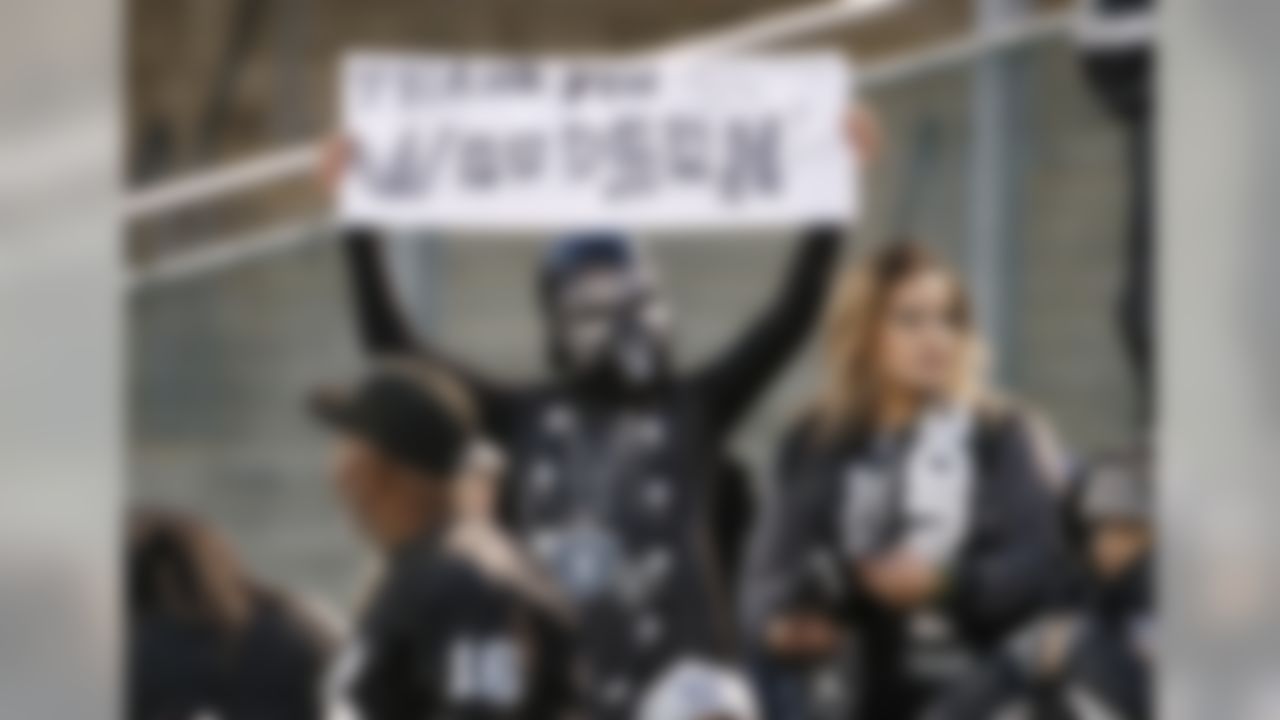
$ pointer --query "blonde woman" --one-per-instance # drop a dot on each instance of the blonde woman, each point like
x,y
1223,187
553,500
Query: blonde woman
x,y
911,506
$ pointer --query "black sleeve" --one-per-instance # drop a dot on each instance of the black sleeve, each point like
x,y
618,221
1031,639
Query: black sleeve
x,y
766,585
384,330
1021,563
792,563
382,327
739,374
376,678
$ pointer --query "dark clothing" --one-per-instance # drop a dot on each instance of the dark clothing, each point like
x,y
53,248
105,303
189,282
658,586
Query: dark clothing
x,y
441,640
1003,573
271,669
1114,653
732,515
1107,664
613,496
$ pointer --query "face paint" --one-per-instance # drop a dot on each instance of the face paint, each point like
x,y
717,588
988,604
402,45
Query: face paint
x,y
613,326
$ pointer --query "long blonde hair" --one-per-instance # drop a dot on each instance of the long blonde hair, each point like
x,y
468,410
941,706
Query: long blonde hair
x,y
854,317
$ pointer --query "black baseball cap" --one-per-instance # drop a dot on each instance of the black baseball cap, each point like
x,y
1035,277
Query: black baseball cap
x,y
416,416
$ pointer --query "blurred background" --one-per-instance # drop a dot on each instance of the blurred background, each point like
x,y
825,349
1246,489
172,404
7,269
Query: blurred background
x,y
996,153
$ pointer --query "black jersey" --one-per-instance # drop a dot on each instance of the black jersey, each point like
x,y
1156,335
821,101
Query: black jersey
x,y
440,639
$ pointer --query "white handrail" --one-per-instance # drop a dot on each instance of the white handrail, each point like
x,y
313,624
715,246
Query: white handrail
x,y
271,167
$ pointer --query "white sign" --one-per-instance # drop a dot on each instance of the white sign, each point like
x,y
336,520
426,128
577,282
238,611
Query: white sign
x,y
491,143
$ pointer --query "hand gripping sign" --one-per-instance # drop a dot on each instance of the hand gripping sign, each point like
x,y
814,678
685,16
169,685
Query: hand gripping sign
x,y
491,143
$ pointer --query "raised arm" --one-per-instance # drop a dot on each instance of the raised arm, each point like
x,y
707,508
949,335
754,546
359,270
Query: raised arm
x,y
737,377
384,330
380,322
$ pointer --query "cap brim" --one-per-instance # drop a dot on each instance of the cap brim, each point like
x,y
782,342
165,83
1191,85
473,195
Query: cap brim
x,y
403,422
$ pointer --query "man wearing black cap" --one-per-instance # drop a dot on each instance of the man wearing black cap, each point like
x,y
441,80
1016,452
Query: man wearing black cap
x,y
614,458
449,632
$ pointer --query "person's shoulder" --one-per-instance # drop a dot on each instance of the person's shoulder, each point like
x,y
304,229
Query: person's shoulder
x,y
805,429
419,586
459,598
503,565
442,575
429,596
810,433
1005,416
1008,422
302,620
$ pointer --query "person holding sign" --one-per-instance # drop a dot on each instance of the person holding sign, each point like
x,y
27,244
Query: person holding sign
x,y
612,455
